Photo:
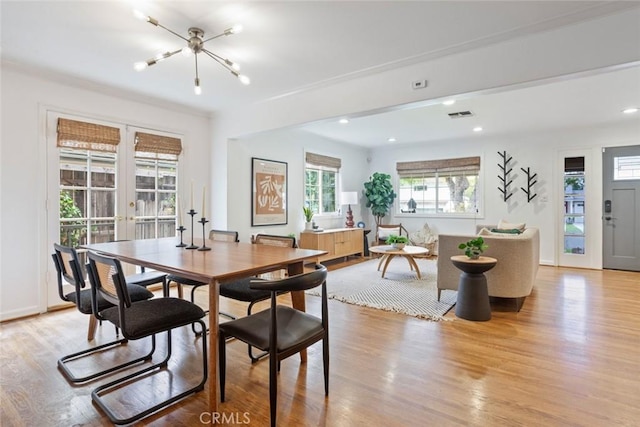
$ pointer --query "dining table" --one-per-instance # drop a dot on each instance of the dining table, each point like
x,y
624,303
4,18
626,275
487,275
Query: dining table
x,y
222,261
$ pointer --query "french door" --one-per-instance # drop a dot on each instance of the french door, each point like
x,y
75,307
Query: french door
x,y
98,195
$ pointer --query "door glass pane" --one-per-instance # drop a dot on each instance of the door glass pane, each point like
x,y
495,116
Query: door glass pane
x,y
627,167
146,228
574,183
156,186
87,196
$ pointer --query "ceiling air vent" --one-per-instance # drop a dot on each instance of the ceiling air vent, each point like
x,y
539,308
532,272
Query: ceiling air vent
x,y
460,114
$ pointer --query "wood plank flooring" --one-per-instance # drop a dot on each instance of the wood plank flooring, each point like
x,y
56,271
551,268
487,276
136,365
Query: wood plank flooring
x,y
570,357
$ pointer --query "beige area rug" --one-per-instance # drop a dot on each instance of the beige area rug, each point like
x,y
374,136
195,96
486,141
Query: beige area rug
x,y
400,291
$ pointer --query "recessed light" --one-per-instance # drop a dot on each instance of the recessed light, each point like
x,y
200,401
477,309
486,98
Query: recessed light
x,y
630,110
449,102
477,129
344,121
392,139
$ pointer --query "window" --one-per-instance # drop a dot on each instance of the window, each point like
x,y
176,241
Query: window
x,y
447,186
156,185
321,182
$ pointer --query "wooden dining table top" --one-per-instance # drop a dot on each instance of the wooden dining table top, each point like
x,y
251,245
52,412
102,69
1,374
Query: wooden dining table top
x,y
225,261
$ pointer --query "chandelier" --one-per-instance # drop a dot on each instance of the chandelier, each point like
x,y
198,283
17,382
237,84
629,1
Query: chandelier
x,y
195,46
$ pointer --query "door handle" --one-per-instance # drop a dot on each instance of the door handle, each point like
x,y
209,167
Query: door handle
x,y
609,218
118,217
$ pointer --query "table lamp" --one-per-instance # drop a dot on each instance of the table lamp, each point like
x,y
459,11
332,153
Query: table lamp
x,y
349,198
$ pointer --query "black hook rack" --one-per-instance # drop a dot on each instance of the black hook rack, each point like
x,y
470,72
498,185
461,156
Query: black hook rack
x,y
531,181
506,170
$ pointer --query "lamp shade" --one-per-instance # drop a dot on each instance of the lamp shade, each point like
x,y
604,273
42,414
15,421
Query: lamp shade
x,y
349,198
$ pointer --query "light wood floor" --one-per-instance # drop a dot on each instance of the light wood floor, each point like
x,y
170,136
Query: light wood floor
x,y
570,357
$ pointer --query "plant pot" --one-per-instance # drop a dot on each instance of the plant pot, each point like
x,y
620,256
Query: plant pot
x,y
398,246
308,226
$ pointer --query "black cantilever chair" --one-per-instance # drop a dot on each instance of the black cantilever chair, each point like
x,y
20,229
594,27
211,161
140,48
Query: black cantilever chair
x,y
68,268
147,278
282,331
136,321
241,289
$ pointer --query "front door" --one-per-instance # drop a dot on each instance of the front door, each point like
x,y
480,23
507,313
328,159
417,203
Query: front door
x,y
621,208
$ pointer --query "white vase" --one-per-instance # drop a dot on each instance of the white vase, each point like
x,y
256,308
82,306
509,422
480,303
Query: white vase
x,y
308,226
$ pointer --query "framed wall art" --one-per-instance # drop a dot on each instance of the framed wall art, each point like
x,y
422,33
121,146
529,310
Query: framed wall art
x,y
268,192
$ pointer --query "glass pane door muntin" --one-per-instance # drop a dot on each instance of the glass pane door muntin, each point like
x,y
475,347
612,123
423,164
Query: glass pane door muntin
x,y
155,194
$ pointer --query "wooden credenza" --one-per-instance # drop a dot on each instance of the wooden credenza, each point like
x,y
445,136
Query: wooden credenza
x,y
338,242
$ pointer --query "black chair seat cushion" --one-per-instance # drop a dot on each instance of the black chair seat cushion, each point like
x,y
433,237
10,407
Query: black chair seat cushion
x,y
294,326
184,281
147,278
241,290
148,317
137,293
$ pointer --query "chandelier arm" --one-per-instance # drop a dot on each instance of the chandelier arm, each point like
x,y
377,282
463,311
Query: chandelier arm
x,y
218,59
165,55
215,37
172,32
197,76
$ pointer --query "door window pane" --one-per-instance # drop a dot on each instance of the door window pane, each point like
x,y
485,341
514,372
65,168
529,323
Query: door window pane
x,y
156,186
627,167
87,196
574,183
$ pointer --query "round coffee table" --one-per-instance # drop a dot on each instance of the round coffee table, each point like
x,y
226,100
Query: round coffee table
x,y
473,297
388,252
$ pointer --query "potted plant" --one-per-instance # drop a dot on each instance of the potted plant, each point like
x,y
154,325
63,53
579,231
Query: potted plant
x,y
397,242
379,194
308,215
474,247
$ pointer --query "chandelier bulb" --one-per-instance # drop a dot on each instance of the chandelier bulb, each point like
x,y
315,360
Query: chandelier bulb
x,y
233,30
141,16
186,51
197,89
244,79
139,66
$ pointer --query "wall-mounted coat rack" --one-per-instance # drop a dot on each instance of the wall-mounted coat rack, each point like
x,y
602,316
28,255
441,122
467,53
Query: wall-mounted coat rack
x,y
531,181
506,170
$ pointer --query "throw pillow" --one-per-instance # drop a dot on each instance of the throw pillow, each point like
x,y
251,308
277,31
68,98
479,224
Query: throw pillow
x,y
504,225
383,233
506,231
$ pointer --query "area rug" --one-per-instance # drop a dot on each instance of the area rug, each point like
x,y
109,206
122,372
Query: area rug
x,y
399,291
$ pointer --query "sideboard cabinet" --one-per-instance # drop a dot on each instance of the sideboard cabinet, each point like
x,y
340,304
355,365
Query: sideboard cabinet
x,y
338,242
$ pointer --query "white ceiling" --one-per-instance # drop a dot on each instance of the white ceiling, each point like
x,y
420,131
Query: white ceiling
x,y
291,46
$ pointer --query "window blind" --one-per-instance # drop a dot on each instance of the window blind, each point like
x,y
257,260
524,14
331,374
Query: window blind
x,y
156,144
87,136
430,167
320,160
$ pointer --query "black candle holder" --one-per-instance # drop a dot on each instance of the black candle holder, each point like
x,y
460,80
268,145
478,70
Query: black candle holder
x,y
181,230
204,246
192,213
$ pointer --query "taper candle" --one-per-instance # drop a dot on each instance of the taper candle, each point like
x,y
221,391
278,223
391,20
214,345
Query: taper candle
x,y
179,208
204,189
191,207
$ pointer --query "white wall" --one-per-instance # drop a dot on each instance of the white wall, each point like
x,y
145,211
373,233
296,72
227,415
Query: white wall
x,y
536,151
288,146
24,251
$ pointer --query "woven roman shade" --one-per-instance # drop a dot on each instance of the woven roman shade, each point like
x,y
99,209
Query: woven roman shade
x,y
87,136
430,167
149,143
320,160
